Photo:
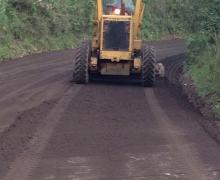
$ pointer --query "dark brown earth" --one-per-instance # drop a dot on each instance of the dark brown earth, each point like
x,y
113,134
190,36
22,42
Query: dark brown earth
x,y
53,129
211,124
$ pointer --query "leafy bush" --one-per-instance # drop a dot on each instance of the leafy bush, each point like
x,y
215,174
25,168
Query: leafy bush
x,y
197,22
206,73
34,25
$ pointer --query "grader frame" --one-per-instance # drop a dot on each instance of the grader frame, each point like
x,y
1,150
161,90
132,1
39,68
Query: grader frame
x,y
116,48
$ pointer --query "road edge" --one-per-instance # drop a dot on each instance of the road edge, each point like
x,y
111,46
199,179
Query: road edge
x,y
182,82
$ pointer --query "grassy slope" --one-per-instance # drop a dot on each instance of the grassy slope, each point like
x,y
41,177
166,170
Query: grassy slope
x,y
197,22
29,26
206,73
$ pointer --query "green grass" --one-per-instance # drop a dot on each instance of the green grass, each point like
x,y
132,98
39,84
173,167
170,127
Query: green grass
x,y
31,26
206,76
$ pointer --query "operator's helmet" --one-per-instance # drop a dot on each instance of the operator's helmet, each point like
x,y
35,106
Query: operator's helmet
x,y
129,5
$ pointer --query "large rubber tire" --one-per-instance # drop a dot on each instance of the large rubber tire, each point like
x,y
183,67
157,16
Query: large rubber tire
x,y
81,70
148,66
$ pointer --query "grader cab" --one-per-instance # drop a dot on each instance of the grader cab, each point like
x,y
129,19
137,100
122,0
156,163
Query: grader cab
x,y
116,48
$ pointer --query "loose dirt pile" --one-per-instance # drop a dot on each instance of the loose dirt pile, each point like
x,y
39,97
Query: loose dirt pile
x,y
185,86
212,123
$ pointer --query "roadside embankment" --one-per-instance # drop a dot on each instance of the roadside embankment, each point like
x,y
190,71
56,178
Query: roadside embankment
x,y
183,83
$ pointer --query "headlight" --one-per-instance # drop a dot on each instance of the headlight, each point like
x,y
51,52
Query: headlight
x,y
117,11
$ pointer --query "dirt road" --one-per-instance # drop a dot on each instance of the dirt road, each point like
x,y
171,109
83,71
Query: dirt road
x,y
51,129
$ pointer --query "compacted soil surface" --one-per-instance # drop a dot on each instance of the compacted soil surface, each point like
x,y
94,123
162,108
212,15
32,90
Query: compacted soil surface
x,y
52,129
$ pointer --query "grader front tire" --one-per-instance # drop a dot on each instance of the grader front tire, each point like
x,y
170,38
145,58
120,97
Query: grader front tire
x,y
80,71
148,66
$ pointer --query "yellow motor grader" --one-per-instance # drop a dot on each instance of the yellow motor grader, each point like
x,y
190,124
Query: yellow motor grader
x,y
116,48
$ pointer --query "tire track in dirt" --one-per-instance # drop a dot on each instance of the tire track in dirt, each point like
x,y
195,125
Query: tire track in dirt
x,y
47,78
31,98
110,132
178,144
106,131
15,80
22,166
13,75
35,60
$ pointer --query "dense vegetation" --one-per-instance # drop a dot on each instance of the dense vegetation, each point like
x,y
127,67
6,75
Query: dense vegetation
x,y
28,26
197,22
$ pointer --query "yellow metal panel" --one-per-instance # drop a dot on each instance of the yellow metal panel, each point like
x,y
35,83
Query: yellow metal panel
x,y
135,20
139,10
137,44
101,35
99,9
95,43
117,18
142,13
116,55
99,14
122,69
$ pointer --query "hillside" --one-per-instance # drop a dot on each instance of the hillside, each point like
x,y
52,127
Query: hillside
x,y
28,26
198,23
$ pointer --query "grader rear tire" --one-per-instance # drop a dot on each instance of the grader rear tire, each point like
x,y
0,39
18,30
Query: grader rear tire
x,y
148,66
81,71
